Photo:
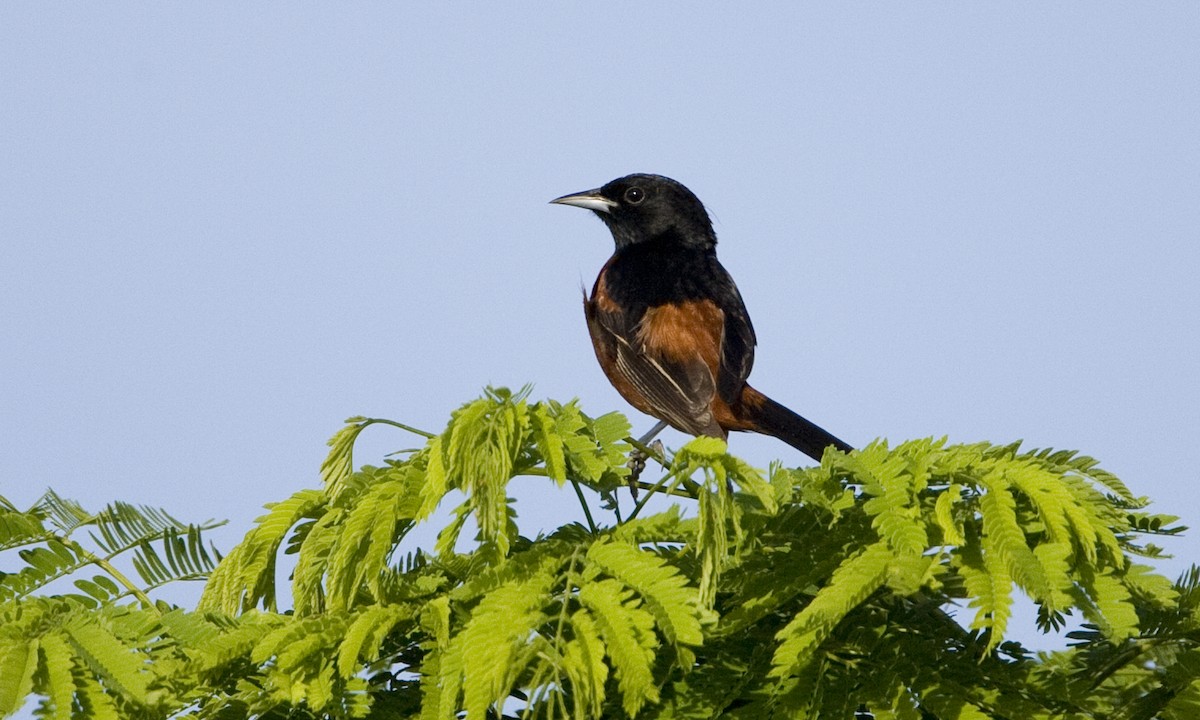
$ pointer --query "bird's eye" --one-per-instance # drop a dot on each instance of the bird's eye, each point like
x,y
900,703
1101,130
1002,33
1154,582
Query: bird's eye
x,y
635,195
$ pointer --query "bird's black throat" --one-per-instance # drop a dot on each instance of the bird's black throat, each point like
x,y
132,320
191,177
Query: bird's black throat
x,y
660,271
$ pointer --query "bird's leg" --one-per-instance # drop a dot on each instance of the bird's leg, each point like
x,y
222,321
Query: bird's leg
x,y
637,457
654,431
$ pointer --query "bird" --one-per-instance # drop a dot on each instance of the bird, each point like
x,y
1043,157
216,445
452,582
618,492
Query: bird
x,y
668,324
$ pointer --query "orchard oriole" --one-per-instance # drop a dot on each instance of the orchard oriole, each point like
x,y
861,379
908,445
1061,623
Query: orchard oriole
x,y
667,321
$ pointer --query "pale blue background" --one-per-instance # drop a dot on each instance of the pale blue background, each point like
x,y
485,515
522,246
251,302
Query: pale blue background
x,y
223,229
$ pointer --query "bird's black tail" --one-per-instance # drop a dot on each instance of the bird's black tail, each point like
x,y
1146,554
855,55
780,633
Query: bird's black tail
x,y
770,418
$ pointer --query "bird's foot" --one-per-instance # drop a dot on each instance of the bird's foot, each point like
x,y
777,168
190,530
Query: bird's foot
x,y
637,464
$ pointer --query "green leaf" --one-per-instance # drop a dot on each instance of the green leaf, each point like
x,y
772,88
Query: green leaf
x,y
988,582
805,554
1150,586
309,646
952,533
19,528
339,463
366,633
58,662
372,527
43,565
1117,615
595,453
1004,539
95,703
665,591
178,555
238,640
584,664
441,669
719,516
64,514
549,438
479,450
312,563
893,480
1055,559
247,574
629,639
18,661
850,585
121,668
493,640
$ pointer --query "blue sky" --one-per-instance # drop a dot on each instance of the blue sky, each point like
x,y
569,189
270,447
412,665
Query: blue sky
x,y
225,228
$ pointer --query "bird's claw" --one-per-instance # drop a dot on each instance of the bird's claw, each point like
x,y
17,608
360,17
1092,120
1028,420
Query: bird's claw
x,y
637,464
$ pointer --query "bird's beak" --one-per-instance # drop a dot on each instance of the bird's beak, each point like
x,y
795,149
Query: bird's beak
x,y
589,200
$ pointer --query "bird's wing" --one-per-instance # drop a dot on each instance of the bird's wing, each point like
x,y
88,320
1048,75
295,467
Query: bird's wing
x,y
652,357
737,342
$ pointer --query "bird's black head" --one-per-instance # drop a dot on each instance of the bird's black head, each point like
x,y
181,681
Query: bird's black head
x,y
638,208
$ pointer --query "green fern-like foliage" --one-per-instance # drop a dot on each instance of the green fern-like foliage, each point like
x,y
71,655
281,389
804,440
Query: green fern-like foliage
x,y
87,652
879,583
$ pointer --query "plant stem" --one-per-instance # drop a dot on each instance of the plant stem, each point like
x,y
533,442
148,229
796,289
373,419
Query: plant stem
x,y
688,492
109,568
583,504
655,488
402,426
